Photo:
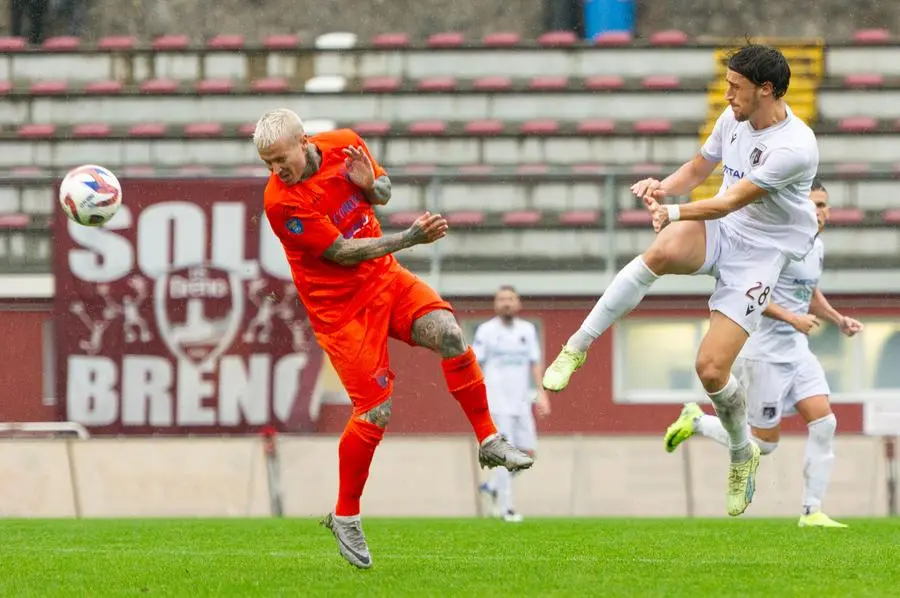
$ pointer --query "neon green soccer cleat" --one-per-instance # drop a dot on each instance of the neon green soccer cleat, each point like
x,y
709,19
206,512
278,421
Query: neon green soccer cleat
x,y
683,427
557,375
742,482
818,519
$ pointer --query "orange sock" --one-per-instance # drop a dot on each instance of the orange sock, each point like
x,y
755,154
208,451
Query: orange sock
x,y
466,384
355,452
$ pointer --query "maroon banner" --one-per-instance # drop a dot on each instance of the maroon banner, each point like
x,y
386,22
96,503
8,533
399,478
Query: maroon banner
x,y
179,316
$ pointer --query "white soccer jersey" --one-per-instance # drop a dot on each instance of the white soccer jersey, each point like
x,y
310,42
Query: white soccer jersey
x,y
782,159
506,354
779,342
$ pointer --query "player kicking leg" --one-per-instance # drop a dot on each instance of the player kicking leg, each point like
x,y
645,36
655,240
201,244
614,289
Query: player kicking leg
x,y
759,220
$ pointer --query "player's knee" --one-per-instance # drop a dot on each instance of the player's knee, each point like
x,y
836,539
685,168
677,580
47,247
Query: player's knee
x,y
823,429
379,415
712,372
766,447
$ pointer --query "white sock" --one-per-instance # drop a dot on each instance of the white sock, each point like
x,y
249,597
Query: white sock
x,y
710,427
621,296
347,518
501,480
818,461
731,407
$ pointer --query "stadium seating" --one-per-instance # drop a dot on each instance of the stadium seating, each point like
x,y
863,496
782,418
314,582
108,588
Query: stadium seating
x,y
521,133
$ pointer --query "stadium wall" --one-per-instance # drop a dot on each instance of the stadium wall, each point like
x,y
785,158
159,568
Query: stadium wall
x,y
437,476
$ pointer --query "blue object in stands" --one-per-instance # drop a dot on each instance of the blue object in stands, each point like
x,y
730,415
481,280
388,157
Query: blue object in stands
x,y
603,16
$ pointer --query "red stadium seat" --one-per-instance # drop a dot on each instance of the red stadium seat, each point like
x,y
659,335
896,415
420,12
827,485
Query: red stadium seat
x,y
44,88
138,170
147,130
846,216
891,216
63,43
389,41
476,169
579,218
203,130
375,128
103,87
403,219
531,169
604,82
12,44
281,42
93,130
852,169
251,170
871,36
613,38
159,86
247,130
864,80
381,84
8,221
549,83
214,86
671,37
539,127
661,82
598,126
35,171
437,84
557,39
646,168
5,87
493,83
652,126
858,124
589,169
484,127
465,218
449,39
522,218
420,169
195,170
634,218
36,131
501,40
171,43
270,85
226,42
116,43
428,127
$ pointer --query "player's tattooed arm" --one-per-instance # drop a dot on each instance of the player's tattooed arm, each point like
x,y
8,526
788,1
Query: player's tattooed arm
x,y
379,415
427,228
439,331
380,193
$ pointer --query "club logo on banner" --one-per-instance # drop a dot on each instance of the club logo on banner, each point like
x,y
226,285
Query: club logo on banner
x,y
180,316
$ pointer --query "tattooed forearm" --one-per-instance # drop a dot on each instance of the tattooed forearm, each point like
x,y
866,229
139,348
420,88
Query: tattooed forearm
x,y
380,193
439,331
379,415
349,252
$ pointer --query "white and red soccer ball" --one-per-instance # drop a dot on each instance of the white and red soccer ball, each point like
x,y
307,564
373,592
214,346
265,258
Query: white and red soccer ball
x,y
90,195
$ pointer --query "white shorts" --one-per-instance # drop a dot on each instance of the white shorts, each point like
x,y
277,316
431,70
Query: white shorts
x,y
745,274
774,389
518,429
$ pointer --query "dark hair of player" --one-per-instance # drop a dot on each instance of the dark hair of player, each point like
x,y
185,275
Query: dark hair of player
x,y
761,65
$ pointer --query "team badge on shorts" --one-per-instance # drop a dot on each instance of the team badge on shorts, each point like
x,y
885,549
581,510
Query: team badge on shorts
x,y
294,225
769,411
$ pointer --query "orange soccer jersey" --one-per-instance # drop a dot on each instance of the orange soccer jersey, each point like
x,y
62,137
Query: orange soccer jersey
x,y
353,309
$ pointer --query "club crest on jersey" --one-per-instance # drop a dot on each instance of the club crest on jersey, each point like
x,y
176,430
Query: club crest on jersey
x,y
294,225
756,155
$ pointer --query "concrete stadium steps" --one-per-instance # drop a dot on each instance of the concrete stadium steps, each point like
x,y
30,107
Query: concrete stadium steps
x,y
856,142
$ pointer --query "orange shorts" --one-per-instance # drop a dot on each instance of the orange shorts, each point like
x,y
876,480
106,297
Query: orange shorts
x,y
358,350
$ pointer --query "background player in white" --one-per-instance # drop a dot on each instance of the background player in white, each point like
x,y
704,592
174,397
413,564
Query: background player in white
x,y
782,376
760,218
509,351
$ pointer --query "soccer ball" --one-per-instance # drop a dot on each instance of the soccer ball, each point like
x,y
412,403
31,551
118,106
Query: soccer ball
x,y
90,195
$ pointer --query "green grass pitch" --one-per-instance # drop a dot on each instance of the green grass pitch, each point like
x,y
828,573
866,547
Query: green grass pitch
x,y
450,557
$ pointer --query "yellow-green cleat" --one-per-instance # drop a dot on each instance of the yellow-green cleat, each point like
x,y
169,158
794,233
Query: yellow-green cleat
x,y
557,375
683,427
818,519
742,482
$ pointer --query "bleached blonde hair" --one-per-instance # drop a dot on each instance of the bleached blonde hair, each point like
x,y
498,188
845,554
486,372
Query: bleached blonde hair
x,y
275,125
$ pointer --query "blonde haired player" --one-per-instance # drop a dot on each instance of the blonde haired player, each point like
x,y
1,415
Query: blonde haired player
x,y
509,351
783,377
760,219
